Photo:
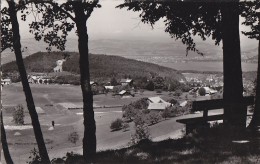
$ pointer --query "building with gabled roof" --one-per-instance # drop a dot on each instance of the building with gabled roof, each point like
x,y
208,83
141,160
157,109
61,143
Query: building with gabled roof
x,y
157,103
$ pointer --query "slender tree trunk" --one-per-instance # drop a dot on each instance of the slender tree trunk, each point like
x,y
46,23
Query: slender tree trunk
x,y
234,114
27,90
7,155
255,122
1,80
89,140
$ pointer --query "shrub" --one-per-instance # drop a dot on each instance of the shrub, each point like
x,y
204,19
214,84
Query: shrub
x,y
142,132
177,93
116,125
166,113
202,92
173,101
129,112
125,126
140,119
141,103
18,115
154,118
34,157
73,137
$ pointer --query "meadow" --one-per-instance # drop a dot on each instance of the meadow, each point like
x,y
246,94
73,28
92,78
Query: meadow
x,y
49,97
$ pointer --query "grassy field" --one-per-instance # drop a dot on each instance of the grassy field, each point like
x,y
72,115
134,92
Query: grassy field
x,y
67,121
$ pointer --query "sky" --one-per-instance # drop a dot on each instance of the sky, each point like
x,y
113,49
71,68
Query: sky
x,y
109,22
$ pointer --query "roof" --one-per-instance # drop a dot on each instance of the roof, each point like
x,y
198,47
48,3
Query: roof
x,y
92,82
156,99
109,87
6,80
209,90
39,110
126,80
157,106
122,92
183,104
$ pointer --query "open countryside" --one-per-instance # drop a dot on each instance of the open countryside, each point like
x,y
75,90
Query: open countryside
x,y
129,81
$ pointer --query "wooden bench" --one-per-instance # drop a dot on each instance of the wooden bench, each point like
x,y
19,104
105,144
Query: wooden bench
x,y
205,106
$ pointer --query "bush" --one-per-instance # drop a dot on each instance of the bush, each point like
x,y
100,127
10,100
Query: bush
x,y
177,93
140,119
116,125
142,132
173,101
125,126
129,112
18,115
202,92
166,113
73,137
154,118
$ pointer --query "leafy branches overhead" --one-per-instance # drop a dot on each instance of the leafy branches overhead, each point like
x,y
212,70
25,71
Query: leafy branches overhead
x,y
183,20
6,31
52,20
250,10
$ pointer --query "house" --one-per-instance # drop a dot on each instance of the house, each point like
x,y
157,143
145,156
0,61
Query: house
x,y
156,99
38,79
157,103
93,83
6,81
109,87
210,91
125,94
125,82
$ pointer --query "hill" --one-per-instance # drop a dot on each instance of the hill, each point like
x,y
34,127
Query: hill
x,y
102,67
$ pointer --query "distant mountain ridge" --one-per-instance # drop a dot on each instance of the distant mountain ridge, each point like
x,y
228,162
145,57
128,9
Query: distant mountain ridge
x,y
101,66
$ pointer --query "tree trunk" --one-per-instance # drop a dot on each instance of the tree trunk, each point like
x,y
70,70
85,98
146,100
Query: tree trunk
x,y
255,122
27,90
7,155
89,140
234,114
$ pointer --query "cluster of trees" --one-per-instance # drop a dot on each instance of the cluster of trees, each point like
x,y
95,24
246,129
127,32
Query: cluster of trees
x,y
138,111
183,20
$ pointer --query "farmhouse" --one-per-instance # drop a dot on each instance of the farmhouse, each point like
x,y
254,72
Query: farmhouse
x,y
93,83
210,91
157,103
125,82
6,81
38,79
125,94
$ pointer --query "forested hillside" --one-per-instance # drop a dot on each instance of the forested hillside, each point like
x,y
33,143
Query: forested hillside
x,y
101,66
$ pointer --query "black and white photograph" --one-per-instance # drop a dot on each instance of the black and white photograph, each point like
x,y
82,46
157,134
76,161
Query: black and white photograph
x,y
130,81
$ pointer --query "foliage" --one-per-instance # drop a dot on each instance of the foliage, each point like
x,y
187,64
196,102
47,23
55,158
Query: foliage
x,y
113,81
18,115
177,93
153,118
182,20
150,86
67,79
116,125
34,157
129,112
140,119
135,108
125,126
166,113
102,67
173,101
73,137
202,91
142,132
